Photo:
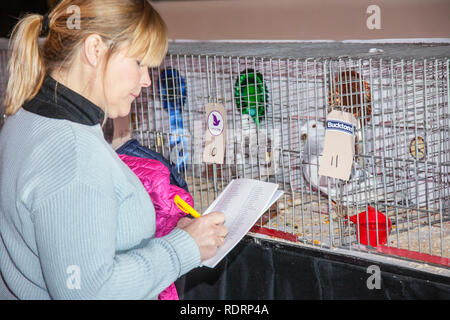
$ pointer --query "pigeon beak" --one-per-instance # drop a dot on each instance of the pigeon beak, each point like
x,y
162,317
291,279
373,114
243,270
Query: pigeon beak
x,y
304,137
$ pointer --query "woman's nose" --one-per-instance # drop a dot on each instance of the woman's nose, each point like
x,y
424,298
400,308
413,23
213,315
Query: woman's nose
x,y
145,78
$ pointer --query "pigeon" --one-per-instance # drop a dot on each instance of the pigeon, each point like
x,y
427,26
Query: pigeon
x,y
362,187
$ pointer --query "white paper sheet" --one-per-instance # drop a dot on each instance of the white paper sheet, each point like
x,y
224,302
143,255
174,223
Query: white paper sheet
x,y
243,201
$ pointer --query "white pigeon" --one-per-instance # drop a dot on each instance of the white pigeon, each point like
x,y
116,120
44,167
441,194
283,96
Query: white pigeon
x,y
358,190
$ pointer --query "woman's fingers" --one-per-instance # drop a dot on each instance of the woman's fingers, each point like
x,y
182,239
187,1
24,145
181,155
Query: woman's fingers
x,y
216,217
209,233
220,241
221,231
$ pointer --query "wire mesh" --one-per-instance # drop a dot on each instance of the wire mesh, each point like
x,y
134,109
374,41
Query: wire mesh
x,y
276,109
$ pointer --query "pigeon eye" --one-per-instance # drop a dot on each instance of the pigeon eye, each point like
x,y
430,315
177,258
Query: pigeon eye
x,y
314,125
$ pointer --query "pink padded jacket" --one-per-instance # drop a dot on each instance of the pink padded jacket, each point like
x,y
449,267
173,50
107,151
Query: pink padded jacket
x,y
156,179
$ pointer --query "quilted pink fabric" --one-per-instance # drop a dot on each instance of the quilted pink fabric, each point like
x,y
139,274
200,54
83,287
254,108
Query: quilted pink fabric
x,y
155,177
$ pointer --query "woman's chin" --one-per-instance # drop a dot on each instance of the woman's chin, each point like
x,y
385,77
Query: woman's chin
x,y
122,112
125,112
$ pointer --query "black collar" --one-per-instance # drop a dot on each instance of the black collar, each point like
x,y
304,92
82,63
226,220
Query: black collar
x,y
65,104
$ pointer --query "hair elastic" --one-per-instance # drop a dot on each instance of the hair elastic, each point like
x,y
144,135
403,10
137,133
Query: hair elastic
x,y
45,26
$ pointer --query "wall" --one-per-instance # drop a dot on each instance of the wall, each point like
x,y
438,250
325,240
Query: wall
x,y
304,19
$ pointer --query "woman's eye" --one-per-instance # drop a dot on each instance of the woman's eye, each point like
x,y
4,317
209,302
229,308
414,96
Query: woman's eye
x,y
138,63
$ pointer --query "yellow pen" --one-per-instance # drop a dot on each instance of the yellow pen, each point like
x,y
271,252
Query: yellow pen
x,y
185,207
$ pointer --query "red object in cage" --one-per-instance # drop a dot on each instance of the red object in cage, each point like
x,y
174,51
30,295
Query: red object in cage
x,y
371,221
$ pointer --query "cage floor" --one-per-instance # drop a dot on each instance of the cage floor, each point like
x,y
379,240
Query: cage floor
x,y
307,216
434,239
310,221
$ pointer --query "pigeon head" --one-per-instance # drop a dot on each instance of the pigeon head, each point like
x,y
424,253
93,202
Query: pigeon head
x,y
312,134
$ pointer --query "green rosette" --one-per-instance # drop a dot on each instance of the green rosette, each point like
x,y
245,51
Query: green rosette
x,y
250,94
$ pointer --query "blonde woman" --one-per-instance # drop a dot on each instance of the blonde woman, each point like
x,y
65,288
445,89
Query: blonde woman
x,y
75,222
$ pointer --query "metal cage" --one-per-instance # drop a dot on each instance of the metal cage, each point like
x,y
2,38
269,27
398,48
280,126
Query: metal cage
x,y
277,97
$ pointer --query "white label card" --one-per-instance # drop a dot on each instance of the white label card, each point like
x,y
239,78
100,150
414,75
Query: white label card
x,y
215,133
339,145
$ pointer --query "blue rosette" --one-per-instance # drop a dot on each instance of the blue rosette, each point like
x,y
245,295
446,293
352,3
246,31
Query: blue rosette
x,y
172,91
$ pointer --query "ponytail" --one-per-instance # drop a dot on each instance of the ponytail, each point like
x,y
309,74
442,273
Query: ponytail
x,y
26,64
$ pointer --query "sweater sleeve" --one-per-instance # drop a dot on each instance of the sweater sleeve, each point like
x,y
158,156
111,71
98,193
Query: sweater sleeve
x,y
75,232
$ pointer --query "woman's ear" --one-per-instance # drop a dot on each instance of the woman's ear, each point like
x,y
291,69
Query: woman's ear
x,y
94,49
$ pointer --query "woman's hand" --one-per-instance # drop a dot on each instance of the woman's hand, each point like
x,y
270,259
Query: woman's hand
x,y
184,222
208,232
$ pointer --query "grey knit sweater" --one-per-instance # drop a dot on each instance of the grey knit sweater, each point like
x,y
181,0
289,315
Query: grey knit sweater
x,y
75,221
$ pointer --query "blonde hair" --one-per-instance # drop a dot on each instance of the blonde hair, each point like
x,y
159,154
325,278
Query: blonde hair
x,y
132,22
